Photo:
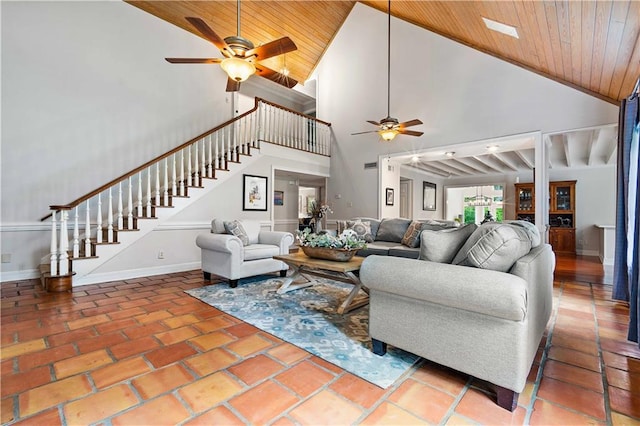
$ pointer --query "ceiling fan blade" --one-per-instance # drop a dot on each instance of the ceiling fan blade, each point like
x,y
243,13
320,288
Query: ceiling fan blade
x,y
410,123
194,60
275,76
373,122
273,48
410,132
362,133
211,35
232,85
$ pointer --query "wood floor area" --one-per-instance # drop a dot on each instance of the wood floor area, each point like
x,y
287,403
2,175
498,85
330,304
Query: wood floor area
x,y
142,352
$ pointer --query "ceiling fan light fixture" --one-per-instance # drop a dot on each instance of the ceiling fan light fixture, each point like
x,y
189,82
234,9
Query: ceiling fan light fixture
x,y
388,134
238,69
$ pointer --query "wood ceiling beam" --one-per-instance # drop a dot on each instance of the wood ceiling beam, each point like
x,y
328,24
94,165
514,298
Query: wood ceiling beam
x,y
486,162
425,168
567,151
520,153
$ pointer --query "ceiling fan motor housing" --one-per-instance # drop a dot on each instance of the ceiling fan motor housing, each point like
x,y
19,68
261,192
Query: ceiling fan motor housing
x,y
239,44
388,123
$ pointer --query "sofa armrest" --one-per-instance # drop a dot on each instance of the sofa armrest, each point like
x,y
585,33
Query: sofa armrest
x,y
498,294
277,238
224,243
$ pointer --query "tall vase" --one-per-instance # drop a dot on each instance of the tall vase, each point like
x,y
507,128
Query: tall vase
x,y
318,225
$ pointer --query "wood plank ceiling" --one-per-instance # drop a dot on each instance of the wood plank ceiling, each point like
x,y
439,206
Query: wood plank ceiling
x,y
592,46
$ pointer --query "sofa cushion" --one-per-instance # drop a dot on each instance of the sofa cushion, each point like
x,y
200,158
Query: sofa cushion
x,y
361,228
441,246
260,251
404,251
235,228
217,227
495,246
377,247
252,228
532,231
411,237
392,230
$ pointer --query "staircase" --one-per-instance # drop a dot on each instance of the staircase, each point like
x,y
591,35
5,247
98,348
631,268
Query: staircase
x,y
97,226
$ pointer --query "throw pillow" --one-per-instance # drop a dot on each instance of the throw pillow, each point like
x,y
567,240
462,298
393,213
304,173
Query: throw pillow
x,y
392,230
375,224
495,246
441,246
411,238
362,229
235,228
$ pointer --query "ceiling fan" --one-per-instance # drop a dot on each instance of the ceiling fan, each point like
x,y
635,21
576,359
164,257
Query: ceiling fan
x,y
389,127
240,56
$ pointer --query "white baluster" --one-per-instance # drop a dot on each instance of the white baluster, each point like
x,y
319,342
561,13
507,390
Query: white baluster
x,y
182,173
99,220
165,192
64,244
140,197
87,230
110,219
130,205
53,258
216,158
156,199
203,160
196,166
76,235
173,175
189,173
120,217
229,144
148,209
210,170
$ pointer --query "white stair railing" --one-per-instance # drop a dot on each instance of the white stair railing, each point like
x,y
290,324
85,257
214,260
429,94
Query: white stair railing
x,y
152,185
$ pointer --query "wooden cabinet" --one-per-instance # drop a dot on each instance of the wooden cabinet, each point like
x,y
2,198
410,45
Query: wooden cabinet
x,y
525,201
563,240
562,214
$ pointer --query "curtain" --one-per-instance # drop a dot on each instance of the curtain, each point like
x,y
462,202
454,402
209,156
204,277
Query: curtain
x,y
626,267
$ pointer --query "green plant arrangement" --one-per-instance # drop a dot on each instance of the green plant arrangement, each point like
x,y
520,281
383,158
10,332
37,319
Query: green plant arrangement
x,y
348,240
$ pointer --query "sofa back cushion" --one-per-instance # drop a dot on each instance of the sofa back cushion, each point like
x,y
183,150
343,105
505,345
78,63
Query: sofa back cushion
x,y
217,227
252,228
495,246
392,230
441,246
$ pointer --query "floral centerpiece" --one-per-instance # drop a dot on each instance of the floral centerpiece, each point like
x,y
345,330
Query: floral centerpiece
x,y
326,246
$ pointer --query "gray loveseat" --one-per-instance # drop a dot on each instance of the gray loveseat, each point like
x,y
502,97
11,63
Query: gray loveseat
x,y
391,236
477,320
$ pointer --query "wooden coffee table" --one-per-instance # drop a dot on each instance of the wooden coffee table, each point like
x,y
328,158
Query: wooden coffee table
x,y
303,266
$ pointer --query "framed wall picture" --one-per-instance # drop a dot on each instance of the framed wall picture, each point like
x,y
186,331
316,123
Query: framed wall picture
x,y
389,195
428,196
278,198
254,193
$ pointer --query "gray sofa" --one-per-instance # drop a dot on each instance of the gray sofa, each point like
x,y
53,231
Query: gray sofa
x,y
477,320
389,236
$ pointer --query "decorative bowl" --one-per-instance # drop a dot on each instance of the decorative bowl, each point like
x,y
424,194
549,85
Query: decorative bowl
x,y
328,253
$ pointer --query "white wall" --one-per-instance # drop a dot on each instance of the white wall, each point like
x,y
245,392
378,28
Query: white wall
x,y
460,94
595,198
418,178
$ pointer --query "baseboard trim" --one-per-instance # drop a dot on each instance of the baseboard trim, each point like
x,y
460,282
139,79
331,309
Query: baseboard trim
x,y
135,273
27,274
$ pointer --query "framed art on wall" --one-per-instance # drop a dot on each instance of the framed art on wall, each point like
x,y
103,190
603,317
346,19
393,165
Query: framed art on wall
x,y
254,193
389,195
428,196
278,198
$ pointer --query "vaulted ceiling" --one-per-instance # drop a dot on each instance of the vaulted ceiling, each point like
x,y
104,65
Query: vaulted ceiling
x,y
592,46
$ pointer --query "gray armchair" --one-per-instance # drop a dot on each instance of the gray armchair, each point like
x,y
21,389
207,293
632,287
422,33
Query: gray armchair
x,y
225,255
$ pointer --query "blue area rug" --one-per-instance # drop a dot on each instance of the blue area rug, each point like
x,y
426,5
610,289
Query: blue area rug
x,y
307,318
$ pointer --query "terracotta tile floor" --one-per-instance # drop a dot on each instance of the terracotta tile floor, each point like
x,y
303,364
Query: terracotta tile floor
x,y
142,352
